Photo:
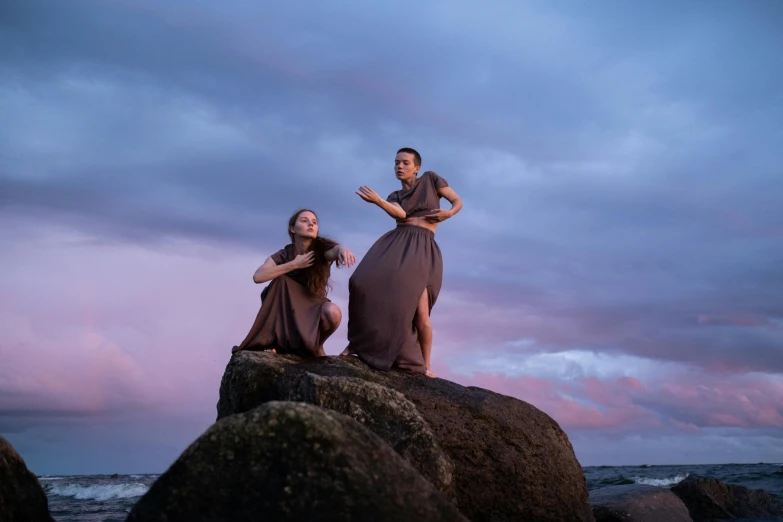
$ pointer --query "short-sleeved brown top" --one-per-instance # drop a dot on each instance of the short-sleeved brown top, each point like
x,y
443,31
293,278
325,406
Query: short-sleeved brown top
x,y
286,254
422,197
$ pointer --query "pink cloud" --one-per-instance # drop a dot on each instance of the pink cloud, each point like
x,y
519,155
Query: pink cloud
x,y
677,403
120,328
488,316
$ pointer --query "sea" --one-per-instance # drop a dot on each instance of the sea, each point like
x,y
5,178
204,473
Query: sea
x,y
105,498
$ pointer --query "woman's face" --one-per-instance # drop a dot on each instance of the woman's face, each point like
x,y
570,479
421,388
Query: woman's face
x,y
306,225
404,167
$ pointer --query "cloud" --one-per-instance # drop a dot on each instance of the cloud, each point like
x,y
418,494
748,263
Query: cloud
x,y
621,194
685,401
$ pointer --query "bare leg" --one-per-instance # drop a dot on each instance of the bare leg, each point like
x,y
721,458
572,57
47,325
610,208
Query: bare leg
x,y
424,330
330,320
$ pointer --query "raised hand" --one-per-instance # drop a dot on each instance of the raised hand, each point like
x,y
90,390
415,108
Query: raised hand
x,y
369,195
345,257
304,260
438,215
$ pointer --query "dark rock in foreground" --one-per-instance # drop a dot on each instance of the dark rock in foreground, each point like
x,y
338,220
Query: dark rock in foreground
x,y
511,460
637,503
22,499
710,499
386,413
288,461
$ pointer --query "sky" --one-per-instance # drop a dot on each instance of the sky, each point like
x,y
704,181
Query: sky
x,y
618,262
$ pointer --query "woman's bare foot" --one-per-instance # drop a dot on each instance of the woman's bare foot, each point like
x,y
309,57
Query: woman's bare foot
x,y
346,353
270,350
429,373
235,349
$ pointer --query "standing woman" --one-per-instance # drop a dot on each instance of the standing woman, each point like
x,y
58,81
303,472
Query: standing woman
x,y
295,316
393,290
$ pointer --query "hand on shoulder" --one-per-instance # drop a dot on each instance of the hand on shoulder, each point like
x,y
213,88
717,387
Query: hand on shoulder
x,y
304,260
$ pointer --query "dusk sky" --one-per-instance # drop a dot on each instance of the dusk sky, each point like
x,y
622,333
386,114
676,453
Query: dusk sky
x,y
618,262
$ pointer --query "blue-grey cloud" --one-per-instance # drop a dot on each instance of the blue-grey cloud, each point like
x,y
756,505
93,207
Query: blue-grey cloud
x,y
619,163
606,168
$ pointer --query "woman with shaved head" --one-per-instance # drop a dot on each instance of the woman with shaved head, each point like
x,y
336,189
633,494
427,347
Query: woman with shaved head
x,y
295,316
395,286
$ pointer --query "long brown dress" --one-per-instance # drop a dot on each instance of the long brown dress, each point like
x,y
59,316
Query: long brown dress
x,y
290,315
385,288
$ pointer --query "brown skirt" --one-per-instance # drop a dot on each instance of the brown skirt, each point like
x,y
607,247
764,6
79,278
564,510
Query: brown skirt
x,y
384,293
289,320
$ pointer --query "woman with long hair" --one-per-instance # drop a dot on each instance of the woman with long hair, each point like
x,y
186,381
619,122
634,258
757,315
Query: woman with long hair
x,y
295,316
393,289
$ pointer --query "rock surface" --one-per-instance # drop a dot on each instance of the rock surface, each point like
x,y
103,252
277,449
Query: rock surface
x,y
637,503
289,461
22,499
386,413
511,460
710,499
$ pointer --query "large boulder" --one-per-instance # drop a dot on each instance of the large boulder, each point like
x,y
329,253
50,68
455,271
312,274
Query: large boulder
x,y
511,460
290,461
710,499
22,499
386,412
637,503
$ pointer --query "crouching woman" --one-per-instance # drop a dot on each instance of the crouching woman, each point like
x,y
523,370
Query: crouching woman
x,y
296,316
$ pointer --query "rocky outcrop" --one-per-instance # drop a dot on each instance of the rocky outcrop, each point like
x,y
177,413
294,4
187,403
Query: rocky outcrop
x,y
511,461
710,499
290,461
386,413
22,499
637,503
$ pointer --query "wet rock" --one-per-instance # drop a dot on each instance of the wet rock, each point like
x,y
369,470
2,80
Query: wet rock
x,y
22,499
290,461
637,503
383,411
710,499
511,460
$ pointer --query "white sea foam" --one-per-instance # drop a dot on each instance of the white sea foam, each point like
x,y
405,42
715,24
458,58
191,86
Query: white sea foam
x,y
99,492
51,478
662,482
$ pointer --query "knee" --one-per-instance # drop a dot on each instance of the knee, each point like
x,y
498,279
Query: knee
x,y
332,314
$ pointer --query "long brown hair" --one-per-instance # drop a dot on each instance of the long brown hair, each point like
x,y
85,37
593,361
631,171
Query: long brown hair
x,y
317,274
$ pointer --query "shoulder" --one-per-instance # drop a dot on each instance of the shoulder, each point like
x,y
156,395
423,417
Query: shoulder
x,y
436,179
283,255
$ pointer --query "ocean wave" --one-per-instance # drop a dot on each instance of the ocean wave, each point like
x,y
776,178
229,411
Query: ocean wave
x,y
99,492
51,478
616,481
662,482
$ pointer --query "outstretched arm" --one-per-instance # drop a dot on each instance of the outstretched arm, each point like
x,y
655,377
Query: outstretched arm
x,y
370,196
456,205
341,254
269,270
